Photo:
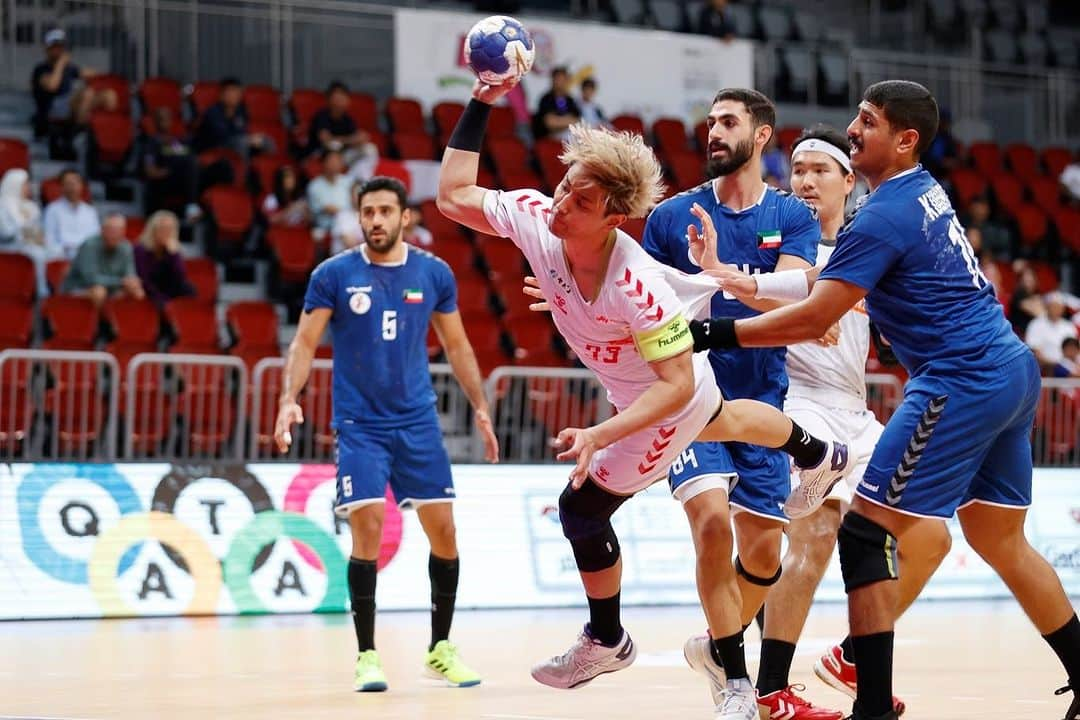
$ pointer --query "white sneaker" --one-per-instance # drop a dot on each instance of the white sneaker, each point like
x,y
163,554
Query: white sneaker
x,y
585,659
738,701
698,656
815,483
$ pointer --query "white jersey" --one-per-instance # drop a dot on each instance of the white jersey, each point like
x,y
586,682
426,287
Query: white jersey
x,y
640,314
833,376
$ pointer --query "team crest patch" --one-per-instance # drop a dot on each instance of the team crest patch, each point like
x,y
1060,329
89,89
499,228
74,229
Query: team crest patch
x,y
360,302
768,239
413,296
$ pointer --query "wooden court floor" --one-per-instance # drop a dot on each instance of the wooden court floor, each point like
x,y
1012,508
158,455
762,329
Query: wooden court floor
x,y
954,661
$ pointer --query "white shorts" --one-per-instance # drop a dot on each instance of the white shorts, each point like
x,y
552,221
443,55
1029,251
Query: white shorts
x,y
637,461
860,429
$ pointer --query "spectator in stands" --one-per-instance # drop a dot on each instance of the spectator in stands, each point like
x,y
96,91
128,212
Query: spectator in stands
x,y
331,192
1027,303
68,220
715,20
104,266
1046,333
333,129
286,205
170,167
1069,364
158,261
58,88
1070,181
20,223
944,153
591,114
225,124
557,110
994,238
414,231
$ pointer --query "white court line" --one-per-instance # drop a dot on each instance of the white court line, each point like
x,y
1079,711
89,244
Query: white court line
x,y
526,717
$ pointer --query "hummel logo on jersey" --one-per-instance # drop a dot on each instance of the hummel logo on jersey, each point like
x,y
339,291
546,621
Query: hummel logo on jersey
x,y
868,486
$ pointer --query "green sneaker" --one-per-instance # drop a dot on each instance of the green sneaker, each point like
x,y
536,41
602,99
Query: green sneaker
x,y
369,675
444,663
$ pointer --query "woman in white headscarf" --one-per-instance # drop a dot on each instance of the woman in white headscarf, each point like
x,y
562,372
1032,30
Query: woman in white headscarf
x,y
20,223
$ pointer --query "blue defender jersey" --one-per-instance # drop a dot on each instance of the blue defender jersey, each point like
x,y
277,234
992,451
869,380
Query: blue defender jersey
x,y
926,295
752,239
379,328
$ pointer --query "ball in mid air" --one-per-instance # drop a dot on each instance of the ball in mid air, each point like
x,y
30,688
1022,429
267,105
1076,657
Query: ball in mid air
x,y
499,49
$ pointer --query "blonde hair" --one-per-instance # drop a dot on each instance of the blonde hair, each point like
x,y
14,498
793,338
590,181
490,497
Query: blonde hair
x,y
620,163
147,237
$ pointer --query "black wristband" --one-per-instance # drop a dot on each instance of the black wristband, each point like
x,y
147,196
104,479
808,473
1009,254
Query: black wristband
x,y
469,132
714,334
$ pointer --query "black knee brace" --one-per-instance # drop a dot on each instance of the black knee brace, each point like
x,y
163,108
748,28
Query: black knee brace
x,y
867,552
754,579
585,515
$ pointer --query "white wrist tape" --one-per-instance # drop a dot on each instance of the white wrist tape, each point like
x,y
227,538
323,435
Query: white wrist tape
x,y
783,285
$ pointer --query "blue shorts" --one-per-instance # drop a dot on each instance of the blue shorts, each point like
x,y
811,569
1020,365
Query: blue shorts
x,y
758,479
956,440
412,459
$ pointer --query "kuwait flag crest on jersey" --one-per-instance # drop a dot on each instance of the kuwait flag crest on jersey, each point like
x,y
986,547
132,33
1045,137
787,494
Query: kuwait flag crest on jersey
x,y
414,296
768,239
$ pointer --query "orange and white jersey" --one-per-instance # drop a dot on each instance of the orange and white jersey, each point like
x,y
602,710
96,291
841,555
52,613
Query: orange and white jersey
x,y
640,314
833,376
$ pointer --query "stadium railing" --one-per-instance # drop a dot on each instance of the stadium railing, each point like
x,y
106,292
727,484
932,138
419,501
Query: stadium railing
x,y
82,406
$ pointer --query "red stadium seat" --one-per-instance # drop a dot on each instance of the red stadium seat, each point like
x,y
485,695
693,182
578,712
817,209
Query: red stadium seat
x,y
273,130
16,324
134,227
669,134
14,153
236,163
304,103
501,122
474,293
1008,192
436,222
508,154
502,257
405,115
294,250
133,321
1045,193
635,228
485,335
395,169
532,335
1067,222
231,210
72,320
19,282
785,136
414,146
1047,277
55,272
701,136
446,115
158,92
253,322
985,157
629,123
686,168
363,111
202,273
118,85
547,153
1023,161
1031,223
194,323
202,95
456,251
967,184
112,135
1055,160
264,167
51,190
263,105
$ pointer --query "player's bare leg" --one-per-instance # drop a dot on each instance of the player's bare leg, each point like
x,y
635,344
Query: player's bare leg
x,y
365,525
997,534
442,660
758,540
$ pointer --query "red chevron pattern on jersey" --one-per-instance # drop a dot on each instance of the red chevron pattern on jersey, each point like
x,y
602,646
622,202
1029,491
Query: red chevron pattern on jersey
x,y
659,444
643,299
533,205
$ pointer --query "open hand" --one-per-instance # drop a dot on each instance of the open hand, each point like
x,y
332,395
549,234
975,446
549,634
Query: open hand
x,y
532,289
289,413
703,242
742,286
487,434
491,94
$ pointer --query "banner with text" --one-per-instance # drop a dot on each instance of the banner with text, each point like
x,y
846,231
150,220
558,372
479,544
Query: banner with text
x,y
146,539
649,73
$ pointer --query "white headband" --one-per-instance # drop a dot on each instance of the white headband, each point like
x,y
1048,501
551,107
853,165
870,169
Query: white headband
x,y
815,145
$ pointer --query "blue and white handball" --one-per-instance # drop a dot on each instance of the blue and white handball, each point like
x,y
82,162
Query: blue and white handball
x,y
499,49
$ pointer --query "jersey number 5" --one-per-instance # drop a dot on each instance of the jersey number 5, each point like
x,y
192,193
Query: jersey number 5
x,y
389,324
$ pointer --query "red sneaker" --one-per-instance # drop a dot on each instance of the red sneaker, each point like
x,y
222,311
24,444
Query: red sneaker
x,y
786,705
839,674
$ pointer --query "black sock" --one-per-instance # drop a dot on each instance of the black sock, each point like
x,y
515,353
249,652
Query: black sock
x,y
731,655
444,581
776,657
1066,643
847,649
805,449
874,664
604,622
362,595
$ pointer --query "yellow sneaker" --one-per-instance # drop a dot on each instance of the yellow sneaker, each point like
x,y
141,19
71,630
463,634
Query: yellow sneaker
x,y
369,675
444,663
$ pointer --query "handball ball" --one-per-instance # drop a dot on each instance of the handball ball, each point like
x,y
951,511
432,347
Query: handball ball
x,y
499,49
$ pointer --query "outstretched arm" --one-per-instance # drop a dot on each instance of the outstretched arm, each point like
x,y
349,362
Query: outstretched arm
x,y
460,198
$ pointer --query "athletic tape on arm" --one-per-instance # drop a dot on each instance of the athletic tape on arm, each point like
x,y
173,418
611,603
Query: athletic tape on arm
x,y
782,285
